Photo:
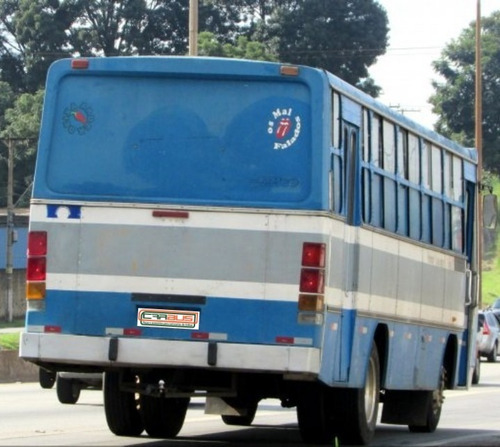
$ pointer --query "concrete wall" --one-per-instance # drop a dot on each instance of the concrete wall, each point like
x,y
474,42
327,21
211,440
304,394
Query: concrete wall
x,y
14,369
18,294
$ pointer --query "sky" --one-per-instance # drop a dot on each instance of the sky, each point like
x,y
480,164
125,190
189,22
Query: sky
x,y
418,32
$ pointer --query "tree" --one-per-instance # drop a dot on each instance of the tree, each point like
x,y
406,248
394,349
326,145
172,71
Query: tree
x,y
128,27
33,35
22,123
244,49
343,37
454,97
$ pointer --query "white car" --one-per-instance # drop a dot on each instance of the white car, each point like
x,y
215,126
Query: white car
x,y
488,335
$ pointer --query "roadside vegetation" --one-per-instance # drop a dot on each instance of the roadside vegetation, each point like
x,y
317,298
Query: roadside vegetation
x,y
10,340
491,265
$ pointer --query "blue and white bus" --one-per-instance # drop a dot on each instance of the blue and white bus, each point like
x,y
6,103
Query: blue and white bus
x,y
246,230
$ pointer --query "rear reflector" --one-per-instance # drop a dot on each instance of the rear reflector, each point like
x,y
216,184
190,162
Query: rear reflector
x,y
129,331
80,64
217,336
306,341
199,335
171,214
289,70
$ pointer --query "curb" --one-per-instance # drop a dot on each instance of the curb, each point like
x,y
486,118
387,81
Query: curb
x,y
15,369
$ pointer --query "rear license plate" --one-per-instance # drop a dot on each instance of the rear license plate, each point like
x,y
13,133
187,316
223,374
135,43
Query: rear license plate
x,y
170,319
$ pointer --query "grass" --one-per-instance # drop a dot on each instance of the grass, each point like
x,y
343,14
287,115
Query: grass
x,y
10,340
17,322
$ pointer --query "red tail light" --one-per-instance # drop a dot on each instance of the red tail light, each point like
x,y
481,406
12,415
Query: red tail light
x,y
312,281
36,269
486,329
313,255
37,243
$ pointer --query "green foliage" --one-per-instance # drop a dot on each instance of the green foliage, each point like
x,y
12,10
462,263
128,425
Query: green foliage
x,y
342,37
454,98
490,278
9,341
336,35
23,119
244,49
22,124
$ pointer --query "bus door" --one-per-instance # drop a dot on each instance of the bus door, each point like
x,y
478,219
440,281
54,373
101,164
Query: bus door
x,y
351,152
468,354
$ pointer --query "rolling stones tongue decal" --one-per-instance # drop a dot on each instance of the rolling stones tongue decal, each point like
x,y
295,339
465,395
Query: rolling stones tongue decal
x,y
285,126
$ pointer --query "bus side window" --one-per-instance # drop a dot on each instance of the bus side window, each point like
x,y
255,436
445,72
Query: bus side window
x,y
389,196
336,120
414,194
337,183
403,190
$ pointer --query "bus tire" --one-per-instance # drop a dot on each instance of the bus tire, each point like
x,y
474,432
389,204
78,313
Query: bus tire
x,y
492,356
357,409
476,374
46,378
68,390
122,415
315,414
245,420
435,401
163,417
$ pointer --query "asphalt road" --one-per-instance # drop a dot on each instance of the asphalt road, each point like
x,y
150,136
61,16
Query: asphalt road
x,y
31,416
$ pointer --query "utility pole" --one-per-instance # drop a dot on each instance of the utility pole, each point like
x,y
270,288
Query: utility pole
x,y
11,238
193,27
9,311
479,145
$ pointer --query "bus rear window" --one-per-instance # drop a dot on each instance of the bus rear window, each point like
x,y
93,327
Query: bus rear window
x,y
178,140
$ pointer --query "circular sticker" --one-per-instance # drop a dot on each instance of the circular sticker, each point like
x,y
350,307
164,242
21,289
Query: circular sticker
x,y
78,118
285,126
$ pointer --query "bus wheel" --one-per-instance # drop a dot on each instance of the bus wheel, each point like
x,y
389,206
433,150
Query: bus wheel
x,y
357,409
315,413
476,374
46,378
122,414
245,420
163,417
68,390
435,401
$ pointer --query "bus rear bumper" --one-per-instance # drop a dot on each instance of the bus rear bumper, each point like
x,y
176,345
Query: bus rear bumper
x,y
106,352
